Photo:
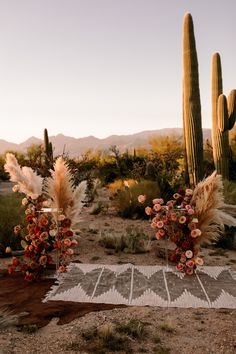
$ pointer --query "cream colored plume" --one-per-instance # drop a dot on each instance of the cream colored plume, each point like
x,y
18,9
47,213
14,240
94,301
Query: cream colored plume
x,y
28,181
208,200
79,196
59,188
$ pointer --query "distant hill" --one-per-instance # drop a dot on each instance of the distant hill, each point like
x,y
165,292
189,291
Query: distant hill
x,y
75,147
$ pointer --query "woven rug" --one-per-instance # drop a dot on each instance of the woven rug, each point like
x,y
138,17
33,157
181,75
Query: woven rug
x,y
209,287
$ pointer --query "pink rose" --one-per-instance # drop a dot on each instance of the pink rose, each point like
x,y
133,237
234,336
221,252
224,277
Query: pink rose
x,y
188,192
62,269
180,266
199,261
190,211
148,210
182,219
173,216
189,271
189,254
190,263
43,260
74,243
69,252
160,224
195,233
157,207
158,201
141,198
67,242
17,229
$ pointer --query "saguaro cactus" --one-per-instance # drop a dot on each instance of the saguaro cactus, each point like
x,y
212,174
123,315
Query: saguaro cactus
x,y
48,152
216,91
223,118
222,138
191,104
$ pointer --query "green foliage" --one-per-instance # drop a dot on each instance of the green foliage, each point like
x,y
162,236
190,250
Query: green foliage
x,y
133,328
102,340
126,201
3,174
133,241
11,214
230,192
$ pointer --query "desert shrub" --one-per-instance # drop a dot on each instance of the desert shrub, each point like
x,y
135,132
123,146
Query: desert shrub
x,y
7,318
112,241
126,202
133,241
11,214
120,184
228,239
230,192
99,207
133,328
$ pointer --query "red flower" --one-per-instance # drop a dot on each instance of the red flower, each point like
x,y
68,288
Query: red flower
x,y
11,269
15,262
29,276
69,233
186,245
29,218
66,223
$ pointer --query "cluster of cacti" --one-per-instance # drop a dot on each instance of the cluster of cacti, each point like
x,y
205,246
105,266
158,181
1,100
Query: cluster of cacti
x,y
193,137
223,119
48,152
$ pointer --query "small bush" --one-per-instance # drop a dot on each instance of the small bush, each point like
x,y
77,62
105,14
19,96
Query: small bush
x,y
11,214
167,327
120,184
99,208
228,239
134,241
112,241
105,339
230,192
133,328
126,202
7,318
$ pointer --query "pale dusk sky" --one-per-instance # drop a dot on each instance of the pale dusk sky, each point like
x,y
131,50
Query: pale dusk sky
x,y
103,67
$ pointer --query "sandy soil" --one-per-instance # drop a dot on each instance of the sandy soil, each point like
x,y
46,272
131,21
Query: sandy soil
x,y
176,331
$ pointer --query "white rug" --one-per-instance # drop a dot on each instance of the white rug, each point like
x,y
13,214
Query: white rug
x,y
209,287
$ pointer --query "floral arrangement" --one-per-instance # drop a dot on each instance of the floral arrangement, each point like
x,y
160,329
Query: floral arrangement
x,y
193,217
52,208
177,222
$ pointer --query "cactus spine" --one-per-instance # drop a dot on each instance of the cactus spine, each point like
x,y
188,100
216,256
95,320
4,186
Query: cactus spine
x,y
191,104
223,119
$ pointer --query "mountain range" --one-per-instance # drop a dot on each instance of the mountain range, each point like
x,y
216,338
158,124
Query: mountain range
x,y
75,147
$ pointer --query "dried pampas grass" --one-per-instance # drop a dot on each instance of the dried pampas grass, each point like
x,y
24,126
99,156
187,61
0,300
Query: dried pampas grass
x,y
28,181
208,201
59,188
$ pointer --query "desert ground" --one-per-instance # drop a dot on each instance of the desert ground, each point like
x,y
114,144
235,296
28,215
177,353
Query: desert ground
x,y
157,330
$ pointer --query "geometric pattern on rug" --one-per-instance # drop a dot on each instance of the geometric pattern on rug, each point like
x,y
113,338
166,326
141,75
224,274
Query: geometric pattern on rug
x,y
209,287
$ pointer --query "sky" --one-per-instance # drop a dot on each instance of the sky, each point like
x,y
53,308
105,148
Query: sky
x,y
104,67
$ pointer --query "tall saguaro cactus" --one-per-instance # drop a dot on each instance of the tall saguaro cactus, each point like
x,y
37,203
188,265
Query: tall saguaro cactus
x,y
48,152
191,104
216,91
226,109
223,118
